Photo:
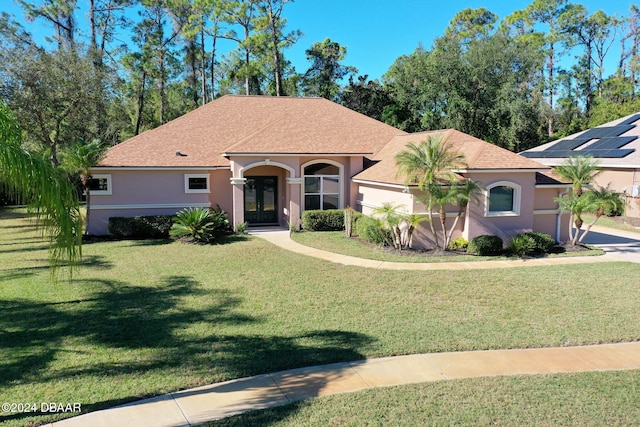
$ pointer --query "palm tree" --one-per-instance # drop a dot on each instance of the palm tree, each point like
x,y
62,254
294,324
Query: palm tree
x,y
580,170
442,196
391,219
464,192
81,158
411,221
577,206
599,200
428,165
47,191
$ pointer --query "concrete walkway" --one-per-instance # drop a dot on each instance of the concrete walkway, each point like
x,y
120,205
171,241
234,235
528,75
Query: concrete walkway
x,y
198,405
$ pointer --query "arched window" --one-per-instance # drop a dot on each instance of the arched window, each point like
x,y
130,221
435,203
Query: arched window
x,y
503,199
322,186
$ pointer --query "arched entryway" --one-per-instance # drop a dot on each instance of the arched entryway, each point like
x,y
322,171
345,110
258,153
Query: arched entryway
x,y
263,194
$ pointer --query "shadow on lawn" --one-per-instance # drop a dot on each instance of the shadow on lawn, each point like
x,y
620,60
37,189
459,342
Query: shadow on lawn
x,y
124,316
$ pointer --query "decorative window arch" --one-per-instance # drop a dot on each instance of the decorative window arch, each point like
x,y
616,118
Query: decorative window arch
x,y
503,199
322,184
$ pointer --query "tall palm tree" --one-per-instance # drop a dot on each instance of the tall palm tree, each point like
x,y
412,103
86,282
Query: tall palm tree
x,y
47,191
81,158
580,170
429,165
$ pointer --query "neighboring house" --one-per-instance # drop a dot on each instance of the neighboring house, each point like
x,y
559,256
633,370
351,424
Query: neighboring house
x,y
616,147
265,160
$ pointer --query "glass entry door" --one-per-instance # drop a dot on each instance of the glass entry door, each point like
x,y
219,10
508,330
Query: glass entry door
x,y
261,200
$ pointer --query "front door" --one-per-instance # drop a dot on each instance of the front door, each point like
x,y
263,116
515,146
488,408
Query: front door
x,y
261,200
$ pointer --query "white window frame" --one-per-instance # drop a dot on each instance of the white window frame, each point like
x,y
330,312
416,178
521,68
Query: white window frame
x,y
517,191
106,192
340,181
188,176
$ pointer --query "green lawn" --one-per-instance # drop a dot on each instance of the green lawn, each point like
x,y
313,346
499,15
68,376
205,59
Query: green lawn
x,y
143,318
586,399
337,242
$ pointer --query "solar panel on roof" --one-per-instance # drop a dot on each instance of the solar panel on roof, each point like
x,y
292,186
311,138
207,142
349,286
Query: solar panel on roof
x,y
631,119
606,142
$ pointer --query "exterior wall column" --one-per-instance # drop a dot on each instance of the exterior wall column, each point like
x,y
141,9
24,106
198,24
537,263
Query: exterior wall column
x,y
294,202
238,201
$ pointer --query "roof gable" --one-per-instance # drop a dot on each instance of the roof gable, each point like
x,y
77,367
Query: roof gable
x,y
479,155
252,124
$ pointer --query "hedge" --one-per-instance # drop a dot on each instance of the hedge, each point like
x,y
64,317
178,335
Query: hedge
x,y
328,220
141,227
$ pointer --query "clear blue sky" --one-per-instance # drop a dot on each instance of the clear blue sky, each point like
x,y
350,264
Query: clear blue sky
x,y
376,32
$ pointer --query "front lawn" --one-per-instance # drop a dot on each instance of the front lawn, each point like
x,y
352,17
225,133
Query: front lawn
x,y
143,318
337,242
585,399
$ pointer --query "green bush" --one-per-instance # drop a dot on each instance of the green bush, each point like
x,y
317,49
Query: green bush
x,y
544,243
612,211
522,245
140,227
200,224
328,220
459,244
371,230
485,245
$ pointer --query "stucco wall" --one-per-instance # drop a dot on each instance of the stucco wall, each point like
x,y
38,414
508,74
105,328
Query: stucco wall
x,y
371,196
479,223
153,192
619,180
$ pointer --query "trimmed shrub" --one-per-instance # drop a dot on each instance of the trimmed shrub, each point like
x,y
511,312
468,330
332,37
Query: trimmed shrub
x,y
544,243
140,227
485,245
328,220
371,230
459,244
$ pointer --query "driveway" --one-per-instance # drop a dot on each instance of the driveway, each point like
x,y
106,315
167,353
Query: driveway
x,y
618,244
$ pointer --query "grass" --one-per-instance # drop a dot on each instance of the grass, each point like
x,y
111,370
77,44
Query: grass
x,y
585,399
617,223
337,242
142,318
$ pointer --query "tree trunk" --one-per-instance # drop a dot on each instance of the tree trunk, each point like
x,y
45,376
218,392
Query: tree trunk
x,y
551,90
203,69
143,82
213,66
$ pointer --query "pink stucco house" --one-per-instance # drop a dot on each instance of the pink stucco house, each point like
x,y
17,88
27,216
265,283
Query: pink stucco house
x,y
265,160
616,148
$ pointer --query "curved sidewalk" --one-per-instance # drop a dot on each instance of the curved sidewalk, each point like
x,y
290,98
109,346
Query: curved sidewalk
x,y
212,402
281,238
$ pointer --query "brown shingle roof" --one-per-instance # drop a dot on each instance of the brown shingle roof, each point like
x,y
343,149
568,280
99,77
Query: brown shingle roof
x,y
479,155
252,124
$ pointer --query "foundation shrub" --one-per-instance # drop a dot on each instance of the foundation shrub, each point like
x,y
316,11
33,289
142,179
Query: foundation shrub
x,y
522,245
371,230
141,227
544,243
459,244
485,245
327,220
